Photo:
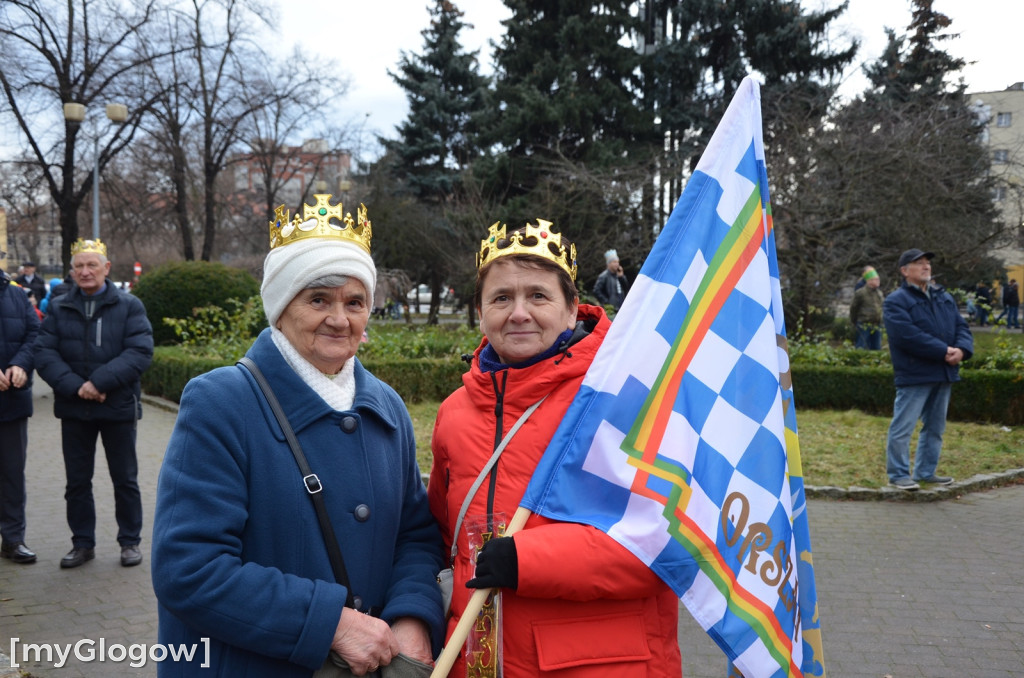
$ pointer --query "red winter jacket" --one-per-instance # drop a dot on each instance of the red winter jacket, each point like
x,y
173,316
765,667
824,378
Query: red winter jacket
x,y
585,606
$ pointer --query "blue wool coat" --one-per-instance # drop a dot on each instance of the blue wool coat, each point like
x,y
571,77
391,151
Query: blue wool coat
x,y
19,326
920,328
238,555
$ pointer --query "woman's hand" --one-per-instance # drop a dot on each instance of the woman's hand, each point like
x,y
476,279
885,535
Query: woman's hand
x,y
413,639
365,642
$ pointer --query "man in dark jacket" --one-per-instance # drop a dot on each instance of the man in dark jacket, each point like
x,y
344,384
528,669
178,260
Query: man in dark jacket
x,y
19,326
94,345
612,285
1011,304
32,281
928,339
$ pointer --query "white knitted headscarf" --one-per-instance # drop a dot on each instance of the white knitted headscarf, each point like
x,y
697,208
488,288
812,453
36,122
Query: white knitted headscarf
x,y
290,268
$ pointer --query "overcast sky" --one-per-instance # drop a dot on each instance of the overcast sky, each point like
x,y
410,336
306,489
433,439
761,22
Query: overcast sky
x,y
367,38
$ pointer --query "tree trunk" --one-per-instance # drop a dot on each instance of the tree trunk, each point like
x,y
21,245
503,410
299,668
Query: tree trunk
x,y
209,216
181,210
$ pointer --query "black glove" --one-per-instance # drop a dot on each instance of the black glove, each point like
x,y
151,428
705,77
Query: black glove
x,y
497,565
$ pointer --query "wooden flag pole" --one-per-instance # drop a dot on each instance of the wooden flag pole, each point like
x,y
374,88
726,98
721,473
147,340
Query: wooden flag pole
x,y
476,603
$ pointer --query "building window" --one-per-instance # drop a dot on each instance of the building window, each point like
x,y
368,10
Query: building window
x,y
1000,155
1003,119
999,193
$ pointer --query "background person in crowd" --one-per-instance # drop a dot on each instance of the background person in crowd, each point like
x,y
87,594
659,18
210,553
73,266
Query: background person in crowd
x,y
31,281
866,311
1011,304
94,345
238,553
58,287
35,305
861,281
560,582
928,339
982,302
55,283
19,326
612,285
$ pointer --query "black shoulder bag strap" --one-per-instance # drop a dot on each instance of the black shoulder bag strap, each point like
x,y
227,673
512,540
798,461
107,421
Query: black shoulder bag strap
x,y
310,479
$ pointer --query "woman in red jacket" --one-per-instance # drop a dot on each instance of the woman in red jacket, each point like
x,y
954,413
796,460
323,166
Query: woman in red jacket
x,y
573,601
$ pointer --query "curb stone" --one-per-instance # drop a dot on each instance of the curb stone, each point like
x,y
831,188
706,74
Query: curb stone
x,y
982,481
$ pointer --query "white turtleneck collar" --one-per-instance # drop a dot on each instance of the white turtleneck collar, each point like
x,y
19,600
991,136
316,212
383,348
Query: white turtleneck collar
x,y
338,391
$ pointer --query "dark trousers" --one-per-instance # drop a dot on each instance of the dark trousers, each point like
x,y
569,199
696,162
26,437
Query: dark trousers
x,y
13,443
869,336
79,440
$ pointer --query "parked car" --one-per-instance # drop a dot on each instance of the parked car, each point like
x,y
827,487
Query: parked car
x,y
424,292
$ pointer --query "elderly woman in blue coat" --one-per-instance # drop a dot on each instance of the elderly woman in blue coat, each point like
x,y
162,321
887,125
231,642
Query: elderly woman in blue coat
x,y
240,566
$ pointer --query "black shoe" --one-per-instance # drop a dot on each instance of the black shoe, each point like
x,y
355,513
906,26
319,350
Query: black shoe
x,y
130,555
936,480
76,557
17,552
905,484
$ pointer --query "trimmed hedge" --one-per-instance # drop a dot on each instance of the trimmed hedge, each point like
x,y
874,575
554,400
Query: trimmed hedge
x,y
172,290
414,380
171,369
981,395
422,379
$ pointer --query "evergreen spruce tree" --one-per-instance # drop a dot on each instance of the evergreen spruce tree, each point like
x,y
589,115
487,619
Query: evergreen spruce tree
x,y
445,92
700,51
435,144
914,68
571,137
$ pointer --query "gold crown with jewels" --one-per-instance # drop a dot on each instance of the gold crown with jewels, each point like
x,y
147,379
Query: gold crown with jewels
x,y
80,246
316,222
537,240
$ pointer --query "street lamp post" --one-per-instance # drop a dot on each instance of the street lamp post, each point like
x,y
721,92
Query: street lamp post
x,y
75,112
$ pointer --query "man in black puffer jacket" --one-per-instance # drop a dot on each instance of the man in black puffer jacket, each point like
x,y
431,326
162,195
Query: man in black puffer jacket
x,y
94,345
19,326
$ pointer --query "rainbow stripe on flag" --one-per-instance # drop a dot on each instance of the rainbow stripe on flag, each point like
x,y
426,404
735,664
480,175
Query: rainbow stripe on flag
x,y
682,442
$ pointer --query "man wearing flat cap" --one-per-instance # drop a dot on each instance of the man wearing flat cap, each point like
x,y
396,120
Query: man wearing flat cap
x,y
928,339
32,282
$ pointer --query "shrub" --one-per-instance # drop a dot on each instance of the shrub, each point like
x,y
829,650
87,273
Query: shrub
x,y
215,332
174,289
401,342
980,395
421,379
171,369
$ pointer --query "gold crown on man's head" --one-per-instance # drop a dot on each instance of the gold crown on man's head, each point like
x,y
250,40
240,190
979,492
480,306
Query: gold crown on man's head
x,y
357,231
538,240
80,246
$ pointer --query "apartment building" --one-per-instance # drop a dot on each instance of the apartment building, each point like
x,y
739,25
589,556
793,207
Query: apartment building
x,y
299,171
1003,113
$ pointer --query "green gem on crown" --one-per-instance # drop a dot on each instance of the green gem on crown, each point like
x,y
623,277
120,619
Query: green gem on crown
x,y
323,211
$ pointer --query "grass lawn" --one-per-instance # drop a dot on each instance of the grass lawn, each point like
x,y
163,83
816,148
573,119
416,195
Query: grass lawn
x,y
848,448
